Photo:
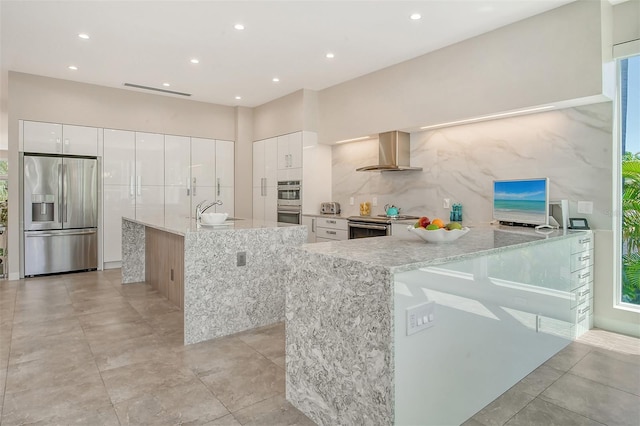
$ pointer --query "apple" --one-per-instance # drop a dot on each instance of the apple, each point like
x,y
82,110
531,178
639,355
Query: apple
x,y
424,221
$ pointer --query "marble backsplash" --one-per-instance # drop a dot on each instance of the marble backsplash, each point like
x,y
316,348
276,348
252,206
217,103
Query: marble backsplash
x,y
572,147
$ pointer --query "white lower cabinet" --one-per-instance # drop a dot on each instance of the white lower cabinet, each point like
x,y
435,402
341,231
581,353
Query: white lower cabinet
x,y
331,229
119,201
310,222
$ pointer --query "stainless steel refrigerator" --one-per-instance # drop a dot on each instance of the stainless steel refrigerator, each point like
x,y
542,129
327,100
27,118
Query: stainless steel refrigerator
x,y
60,196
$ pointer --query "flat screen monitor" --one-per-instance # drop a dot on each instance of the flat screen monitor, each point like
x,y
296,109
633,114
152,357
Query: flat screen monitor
x,y
522,201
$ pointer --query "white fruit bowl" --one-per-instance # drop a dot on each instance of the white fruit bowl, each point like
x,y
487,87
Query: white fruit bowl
x,y
438,235
213,218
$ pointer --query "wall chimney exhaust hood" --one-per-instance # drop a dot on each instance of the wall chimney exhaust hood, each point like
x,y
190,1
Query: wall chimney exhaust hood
x,y
393,153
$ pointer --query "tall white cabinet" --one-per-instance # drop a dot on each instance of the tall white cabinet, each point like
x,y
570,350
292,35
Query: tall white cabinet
x,y
160,178
177,186
212,173
294,156
265,173
150,178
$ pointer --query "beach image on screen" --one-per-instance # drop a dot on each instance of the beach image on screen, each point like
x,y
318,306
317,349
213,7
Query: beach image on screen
x,y
522,201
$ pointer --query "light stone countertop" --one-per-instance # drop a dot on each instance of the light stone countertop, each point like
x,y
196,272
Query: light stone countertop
x,y
398,254
186,226
328,216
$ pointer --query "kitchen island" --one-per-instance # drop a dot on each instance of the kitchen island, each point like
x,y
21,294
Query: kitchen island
x,y
397,331
226,278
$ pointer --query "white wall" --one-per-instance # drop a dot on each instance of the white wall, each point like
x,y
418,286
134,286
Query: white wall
x,y
572,146
46,99
550,58
244,162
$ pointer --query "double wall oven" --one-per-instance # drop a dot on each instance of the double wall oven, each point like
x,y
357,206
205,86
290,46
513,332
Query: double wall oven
x,y
372,226
290,201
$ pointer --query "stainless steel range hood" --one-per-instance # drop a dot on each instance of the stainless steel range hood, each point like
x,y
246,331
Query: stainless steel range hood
x,y
393,153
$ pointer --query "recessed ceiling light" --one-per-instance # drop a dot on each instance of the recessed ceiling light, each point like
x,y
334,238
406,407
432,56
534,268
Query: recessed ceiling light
x,y
73,67
238,97
84,36
330,55
166,84
238,27
195,61
415,16
275,79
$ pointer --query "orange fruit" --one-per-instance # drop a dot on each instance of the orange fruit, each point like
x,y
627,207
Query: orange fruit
x,y
438,222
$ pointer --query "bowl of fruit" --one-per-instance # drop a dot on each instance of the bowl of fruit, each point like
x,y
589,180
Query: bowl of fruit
x,y
436,231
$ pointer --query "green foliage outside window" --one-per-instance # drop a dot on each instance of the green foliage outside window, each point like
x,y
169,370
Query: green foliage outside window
x,y
631,228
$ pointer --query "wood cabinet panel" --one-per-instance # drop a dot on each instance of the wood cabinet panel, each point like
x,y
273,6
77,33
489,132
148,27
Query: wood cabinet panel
x,y
164,264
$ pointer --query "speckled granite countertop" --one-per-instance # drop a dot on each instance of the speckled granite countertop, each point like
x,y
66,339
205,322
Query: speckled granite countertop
x,y
182,227
400,255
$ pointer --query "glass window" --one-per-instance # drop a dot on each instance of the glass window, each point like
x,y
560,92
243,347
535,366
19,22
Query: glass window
x,y
630,167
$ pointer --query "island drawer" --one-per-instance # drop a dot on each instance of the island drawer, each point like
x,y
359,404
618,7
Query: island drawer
x,y
332,234
581,277
582,243
325,222
581,260
580,295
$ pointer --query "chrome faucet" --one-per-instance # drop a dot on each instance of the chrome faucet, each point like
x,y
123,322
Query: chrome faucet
x,y
200,209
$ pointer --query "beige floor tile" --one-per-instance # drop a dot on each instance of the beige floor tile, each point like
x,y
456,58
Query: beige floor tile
x,y
503,408
246,383
167,323
105,335
94,306
610,371
539,412
148,348
227,420
189,403
46,328
65,405
594,400
569,356
136,380
71,345
269,341
273,411
153,306
537,381
51,373
118,315
216,356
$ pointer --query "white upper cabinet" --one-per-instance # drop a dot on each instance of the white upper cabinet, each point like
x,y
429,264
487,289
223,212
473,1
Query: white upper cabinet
x,y
203,161
53,138
177,159
290,151
149,159
79,140
42,137
119,157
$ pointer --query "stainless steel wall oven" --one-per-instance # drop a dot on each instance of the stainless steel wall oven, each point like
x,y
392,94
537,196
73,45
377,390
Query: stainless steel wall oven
x,y
290,201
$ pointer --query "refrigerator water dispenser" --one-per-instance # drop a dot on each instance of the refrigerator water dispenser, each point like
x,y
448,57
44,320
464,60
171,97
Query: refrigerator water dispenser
x,y
42,207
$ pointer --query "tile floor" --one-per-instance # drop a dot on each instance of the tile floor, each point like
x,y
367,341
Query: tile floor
x,y
83,349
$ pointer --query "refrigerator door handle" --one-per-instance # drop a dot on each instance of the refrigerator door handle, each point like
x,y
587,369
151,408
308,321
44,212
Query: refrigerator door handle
x,y
60,193
57,234
65,184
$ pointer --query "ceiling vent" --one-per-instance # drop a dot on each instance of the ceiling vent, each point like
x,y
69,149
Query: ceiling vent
x,y
156,89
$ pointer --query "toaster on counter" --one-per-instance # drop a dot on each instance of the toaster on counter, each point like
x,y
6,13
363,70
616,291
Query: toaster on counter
x,y
330,208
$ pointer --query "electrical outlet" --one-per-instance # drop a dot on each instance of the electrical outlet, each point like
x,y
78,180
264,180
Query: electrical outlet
x,y
241,258
351,201
420,317
374,201
446,203
585,207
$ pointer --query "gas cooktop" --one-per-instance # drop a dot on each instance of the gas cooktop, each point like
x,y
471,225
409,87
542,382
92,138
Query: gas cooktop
x,y
381,218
